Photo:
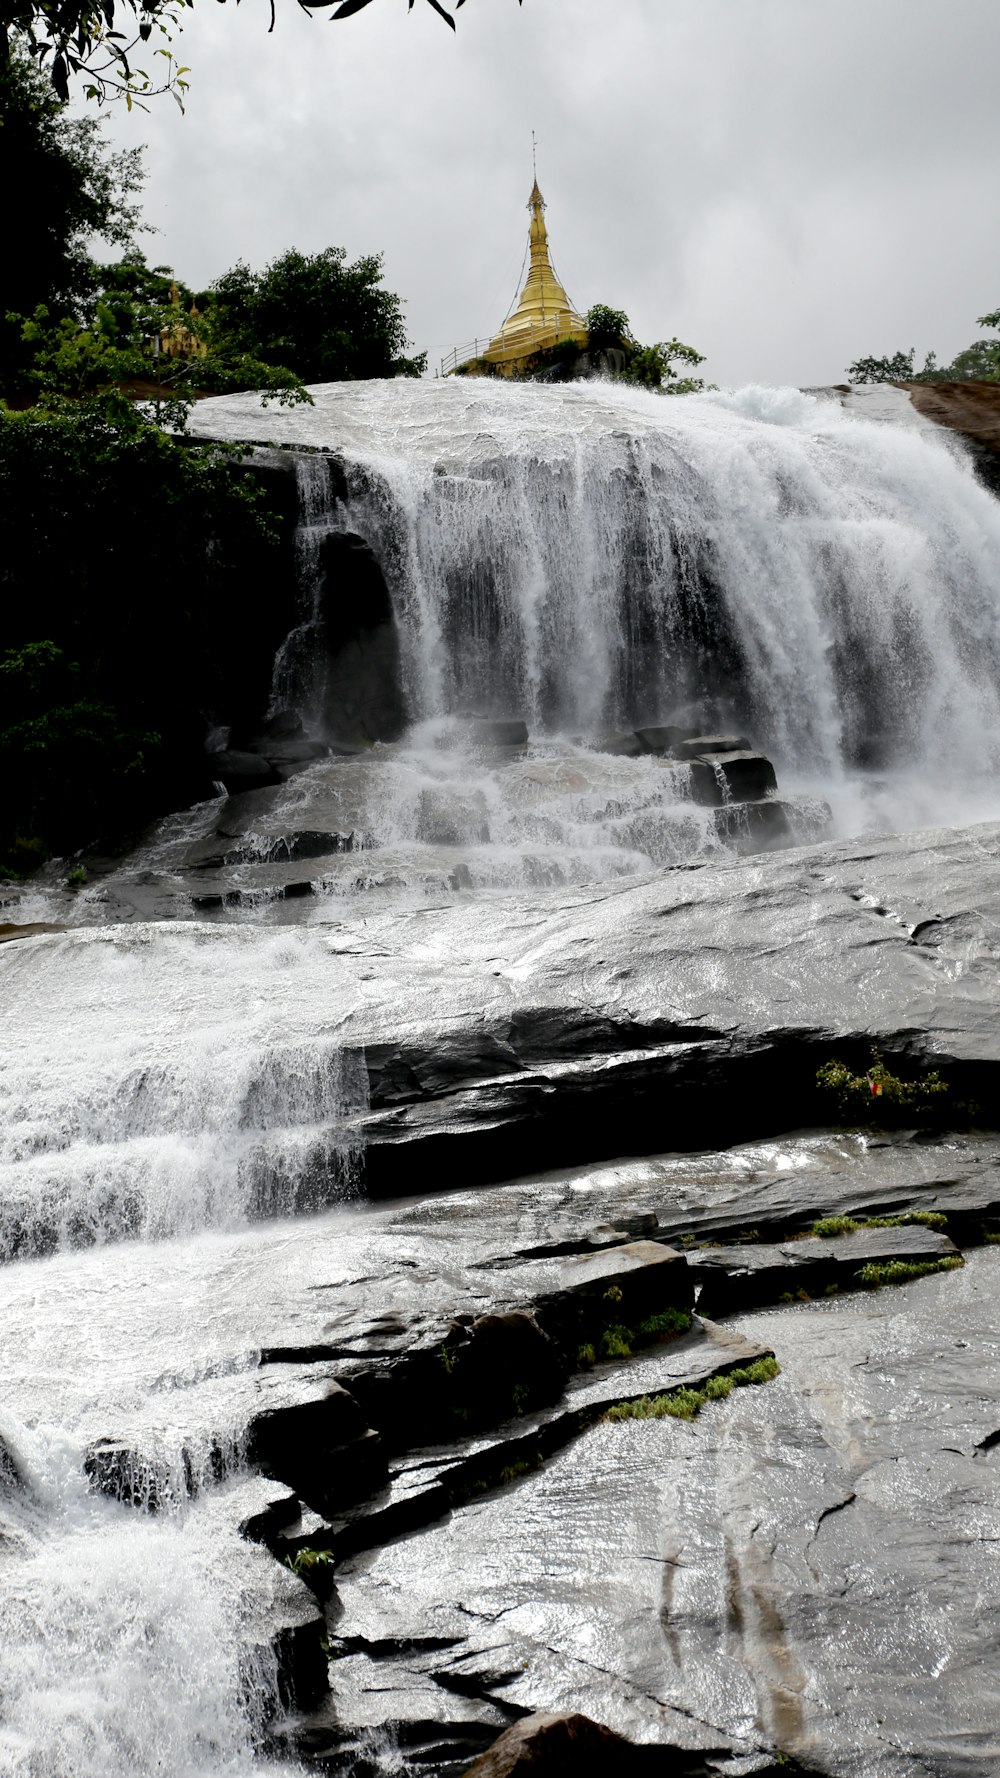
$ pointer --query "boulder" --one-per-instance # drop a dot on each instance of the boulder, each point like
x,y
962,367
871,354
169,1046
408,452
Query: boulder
x,y
754,827
295,750
615,1286
448,818
664,738
283,848
241,771
694,746
704,784
321,1447
627,745
282,725
571,1744
11,1475
734,1279
748,777
491,732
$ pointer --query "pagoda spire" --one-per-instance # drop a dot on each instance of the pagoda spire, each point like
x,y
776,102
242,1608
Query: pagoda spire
x,y
544,314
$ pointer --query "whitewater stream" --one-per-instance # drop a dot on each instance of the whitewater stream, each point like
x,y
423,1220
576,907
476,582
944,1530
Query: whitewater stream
x,y
194,1068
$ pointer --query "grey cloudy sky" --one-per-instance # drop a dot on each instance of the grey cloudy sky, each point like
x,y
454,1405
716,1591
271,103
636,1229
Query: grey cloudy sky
x,y
783,183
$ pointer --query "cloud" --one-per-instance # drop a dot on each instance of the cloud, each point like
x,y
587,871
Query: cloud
x,y
783,183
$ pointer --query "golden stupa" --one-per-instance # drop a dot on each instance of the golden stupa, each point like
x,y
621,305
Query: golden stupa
x,y
544,314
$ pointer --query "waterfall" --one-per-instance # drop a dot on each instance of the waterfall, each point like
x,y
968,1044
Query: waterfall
x,y
590,556
121,1648
296,679
222,1109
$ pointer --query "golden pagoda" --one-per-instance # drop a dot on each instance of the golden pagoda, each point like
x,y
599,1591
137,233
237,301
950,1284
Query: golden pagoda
x,y
544,314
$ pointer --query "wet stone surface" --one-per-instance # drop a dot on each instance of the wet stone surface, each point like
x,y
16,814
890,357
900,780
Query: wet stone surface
x,y
812,1564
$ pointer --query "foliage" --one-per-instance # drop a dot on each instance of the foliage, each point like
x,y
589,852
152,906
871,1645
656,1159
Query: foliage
x,y
685,1403
878,1096
326,320
979,362
607,328
897,369
653,367
306,1561
119,346
514,1471
847,1225
666,1325
611,331
63,187
111,665
904,1271
616,1342
95,40
650,366
619,1341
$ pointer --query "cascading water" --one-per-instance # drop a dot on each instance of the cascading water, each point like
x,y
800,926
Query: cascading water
x,y
133,1644
583,557
296,678
590,556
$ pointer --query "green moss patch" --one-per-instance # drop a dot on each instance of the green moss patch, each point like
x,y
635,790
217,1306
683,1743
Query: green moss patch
x,y
828,1226
903,1271
684,1403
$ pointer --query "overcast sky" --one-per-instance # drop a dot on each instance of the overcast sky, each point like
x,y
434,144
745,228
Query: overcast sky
x,y
782,183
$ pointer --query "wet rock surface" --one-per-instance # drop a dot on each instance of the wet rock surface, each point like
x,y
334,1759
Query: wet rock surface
x,y
810,1564
763,1576
581,1023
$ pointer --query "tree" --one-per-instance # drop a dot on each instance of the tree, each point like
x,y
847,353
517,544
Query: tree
x,y
118,640
607,329
62,187
97,41
897,369
979,362
653,367
326,320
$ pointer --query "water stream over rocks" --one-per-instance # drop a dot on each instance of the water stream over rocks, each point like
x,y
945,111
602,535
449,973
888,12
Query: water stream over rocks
x,y
367,1135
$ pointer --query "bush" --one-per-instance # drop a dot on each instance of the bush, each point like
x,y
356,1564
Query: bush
x,y
904,1271
123,557
684,1403
847,1225
880,1097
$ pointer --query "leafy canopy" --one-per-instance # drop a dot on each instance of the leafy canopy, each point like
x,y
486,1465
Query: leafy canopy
x,y
327,320
979,362
102,42
63,186
116,636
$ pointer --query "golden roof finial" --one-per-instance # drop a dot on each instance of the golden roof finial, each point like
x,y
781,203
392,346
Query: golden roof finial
x,y
544,313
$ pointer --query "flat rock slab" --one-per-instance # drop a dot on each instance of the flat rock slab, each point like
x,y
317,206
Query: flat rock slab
x,y
812,1562
550,1031
735,1278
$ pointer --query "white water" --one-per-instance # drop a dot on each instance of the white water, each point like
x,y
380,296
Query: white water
x,y
217,1106
580,557
295,673
588,556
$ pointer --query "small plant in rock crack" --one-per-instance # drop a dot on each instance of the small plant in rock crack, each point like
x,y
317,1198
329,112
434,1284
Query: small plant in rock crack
x,y
684,1403
828,1226
616,1342
520,1396
514,1471
666,1325
883,1098
904,1271
306,1562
